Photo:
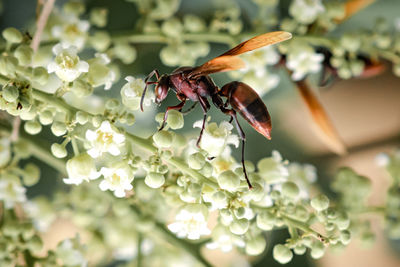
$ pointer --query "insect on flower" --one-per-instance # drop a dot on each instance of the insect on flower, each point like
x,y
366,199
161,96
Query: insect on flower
x,y
193,83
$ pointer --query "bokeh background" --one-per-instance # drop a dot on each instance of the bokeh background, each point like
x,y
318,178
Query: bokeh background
x,y
365,112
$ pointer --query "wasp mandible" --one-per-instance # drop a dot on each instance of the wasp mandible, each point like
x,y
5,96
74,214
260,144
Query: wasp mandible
x,y
193,83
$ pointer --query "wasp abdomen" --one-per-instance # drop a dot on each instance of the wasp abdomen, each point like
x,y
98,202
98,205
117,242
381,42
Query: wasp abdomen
x,y
249,105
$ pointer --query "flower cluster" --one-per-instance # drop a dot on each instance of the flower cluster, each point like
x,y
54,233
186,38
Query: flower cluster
x,y
134,195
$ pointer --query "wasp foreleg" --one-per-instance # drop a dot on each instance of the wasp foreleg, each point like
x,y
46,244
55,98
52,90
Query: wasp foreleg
x,y
178,107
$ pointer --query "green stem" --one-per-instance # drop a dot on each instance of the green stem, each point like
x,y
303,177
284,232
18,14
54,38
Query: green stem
x,y
139,250
304,227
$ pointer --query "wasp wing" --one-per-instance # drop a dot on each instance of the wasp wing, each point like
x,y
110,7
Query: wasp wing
x,y
218,64
227,61
259,41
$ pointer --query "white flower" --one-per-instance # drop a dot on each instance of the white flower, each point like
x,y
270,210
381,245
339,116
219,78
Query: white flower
x,y
117,179
223,239
70,253
304,60
81,168
216,138
132,91
11,190
5,152
72,31
67,64
191,222
306,11
104,139
273,169
99,73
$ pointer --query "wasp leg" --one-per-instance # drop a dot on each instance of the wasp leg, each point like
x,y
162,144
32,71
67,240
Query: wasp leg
x,y
146,81
190,109
232,113
178,107
205,106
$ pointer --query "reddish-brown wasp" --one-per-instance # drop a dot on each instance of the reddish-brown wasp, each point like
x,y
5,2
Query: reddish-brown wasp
x,y
193,83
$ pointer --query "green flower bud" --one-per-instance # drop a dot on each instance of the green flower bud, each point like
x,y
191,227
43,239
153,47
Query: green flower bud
x,y
301,213
308,241
24,54
112,103
10,93
357,67
275,194
239,227
235,27
163,169
255,246
344,73
11,229
28,114
290,189
35,243
239,212
98,17
219,198
331,213
31,174
74,7
58,128
282,254
257,193
58,150
320,202
46,117
170,56
125,52
130,119
97,120
396,69
175,119
345,237
350,42
32,127
8,65
40,75
81,88
82,117
300,250
207,169
12,35
330,227
196,161
172,27
317,250
154,179
27,230
228,180
193,23
384,41
342,221
100,40
265,220
162,139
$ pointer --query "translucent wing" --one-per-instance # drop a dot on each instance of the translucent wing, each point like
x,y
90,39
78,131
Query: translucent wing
x,y
218,64
228,60
259,41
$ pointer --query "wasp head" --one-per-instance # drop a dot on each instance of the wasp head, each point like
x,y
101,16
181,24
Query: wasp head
x,y
162,88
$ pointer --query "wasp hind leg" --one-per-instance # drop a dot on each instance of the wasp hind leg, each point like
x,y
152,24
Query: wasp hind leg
x,y
242,136
146,81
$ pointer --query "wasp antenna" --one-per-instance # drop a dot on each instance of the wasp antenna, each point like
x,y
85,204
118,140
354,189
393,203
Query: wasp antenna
x,y
146,81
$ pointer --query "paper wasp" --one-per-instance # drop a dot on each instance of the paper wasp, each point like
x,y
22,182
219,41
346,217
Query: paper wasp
x,y
193,83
